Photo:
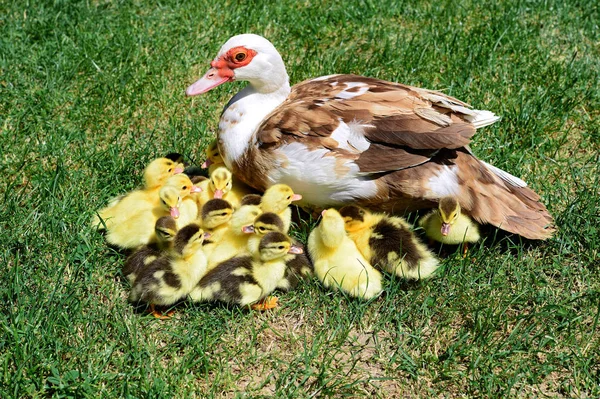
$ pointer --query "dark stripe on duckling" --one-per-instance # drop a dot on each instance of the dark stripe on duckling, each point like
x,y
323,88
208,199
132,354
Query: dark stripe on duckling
x,y
387,238
215,204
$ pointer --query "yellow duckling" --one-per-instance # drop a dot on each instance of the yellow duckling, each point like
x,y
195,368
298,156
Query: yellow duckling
x,y
219,185
388,242
173,275
277,199
213,157
449,226
298,265
234,241
140,200
337,261
248,279
165,230
160,169
136,227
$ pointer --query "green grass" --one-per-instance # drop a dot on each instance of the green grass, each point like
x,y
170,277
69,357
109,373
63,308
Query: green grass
x,y
91,91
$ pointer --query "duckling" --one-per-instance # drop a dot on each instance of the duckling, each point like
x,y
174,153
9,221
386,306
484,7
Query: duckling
x,y
216,215
183,210
160,169
173,275
136,228
449,226
245,280
277,199
213,157
338,262
219,185
298,266
165,230
140,200
234,241
389,243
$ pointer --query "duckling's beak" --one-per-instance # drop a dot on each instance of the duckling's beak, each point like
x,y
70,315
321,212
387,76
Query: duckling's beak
x,y
445,229
218,193
174,212
294,249
206,235
296,197
196,189
248,229
177,170
206,164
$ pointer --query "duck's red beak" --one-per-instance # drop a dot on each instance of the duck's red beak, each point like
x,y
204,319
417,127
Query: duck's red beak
x,y
209,81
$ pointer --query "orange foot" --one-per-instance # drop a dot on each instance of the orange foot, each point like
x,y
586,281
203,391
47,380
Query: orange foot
x,y
267,303
159,315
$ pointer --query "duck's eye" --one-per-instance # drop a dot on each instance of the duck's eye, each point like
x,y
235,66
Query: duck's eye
x,y
281,247
184,187
261,228
224,214
170,170
289,197
239,57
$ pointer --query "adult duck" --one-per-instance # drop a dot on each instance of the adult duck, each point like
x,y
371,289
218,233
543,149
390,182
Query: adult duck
x,y
343,139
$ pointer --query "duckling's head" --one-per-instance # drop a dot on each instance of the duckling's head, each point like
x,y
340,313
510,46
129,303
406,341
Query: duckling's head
x,y
159,170
216,212
183,184
278,197
354,217
449,211
188,239
220,181
243,217
250,199
165,229
213,156
274,245
170,199
332,227
265,223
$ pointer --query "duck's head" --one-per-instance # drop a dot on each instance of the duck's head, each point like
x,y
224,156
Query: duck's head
x,y
220,181
159,170
189,239
165,229
278,197
449,211
213,156
332,222
354,217
170,200
216,212
246,57
274,245
265,223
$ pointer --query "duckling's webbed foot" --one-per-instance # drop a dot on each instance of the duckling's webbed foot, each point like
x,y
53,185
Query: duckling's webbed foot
x,y
159,314
267,303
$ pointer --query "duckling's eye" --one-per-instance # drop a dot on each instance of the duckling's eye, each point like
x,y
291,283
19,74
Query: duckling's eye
x,y
261,228
184,187
224,214
170,170
289,197
281,247
239,57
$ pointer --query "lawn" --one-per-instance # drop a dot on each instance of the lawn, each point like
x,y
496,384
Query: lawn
x,y
91,91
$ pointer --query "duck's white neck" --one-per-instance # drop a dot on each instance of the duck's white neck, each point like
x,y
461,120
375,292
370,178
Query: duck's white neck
x,y
242,116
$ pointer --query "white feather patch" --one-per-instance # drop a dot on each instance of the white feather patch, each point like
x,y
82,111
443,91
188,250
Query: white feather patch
x,y
313,174
445,182
346,95
351,136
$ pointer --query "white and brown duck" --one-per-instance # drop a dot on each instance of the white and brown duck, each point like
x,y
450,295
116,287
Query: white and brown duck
x,y
343,139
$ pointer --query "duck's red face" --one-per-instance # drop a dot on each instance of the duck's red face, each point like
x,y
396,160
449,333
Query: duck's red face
x,y
223,70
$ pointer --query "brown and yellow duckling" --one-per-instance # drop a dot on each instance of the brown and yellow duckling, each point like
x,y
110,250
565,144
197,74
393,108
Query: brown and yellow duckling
x,y
249,279
389,243
173,275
